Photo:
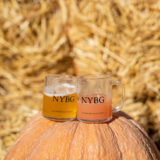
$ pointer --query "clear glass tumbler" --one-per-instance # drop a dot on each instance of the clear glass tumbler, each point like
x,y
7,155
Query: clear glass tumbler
x,y
94,98
59,97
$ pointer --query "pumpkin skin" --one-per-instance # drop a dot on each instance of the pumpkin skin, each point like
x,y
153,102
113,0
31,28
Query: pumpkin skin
x,y
120,139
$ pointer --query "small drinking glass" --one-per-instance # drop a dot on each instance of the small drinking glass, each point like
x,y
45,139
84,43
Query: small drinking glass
x,y
59,97
94,98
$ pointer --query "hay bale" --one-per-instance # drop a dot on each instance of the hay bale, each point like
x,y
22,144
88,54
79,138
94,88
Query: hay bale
x,y
78,37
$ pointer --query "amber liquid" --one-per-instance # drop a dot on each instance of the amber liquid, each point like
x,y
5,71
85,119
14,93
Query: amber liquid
x,y
60,107
94,108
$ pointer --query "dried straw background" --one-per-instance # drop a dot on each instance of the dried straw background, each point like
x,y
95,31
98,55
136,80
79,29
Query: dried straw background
x,y
121,37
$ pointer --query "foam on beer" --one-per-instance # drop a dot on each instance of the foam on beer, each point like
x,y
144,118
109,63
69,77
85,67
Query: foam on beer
x,y
59,90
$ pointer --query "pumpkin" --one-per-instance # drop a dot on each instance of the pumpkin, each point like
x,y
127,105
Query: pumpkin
x,y
120,139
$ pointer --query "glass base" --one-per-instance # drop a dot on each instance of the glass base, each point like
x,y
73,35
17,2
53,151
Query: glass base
x,y
95,121
60,119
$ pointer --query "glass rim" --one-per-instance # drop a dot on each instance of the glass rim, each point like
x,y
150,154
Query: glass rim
x,y
59,76
94,76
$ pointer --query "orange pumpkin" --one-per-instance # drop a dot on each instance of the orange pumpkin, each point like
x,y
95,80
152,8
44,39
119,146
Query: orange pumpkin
x,y
120,139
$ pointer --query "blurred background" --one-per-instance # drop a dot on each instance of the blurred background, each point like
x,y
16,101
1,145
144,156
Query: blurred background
x,y
119,37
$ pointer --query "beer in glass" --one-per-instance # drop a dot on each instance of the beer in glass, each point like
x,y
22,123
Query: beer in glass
x,y
59,97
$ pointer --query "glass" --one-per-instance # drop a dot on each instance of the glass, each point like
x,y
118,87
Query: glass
x,y
59,97
94,93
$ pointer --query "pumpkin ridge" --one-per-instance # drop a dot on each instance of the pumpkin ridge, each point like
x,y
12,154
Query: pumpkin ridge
x,y
77,125
149,142
25,128
97,132
45,134
103,134
84,146
23,134
145,143
127,135
138,126
121,155
145,133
